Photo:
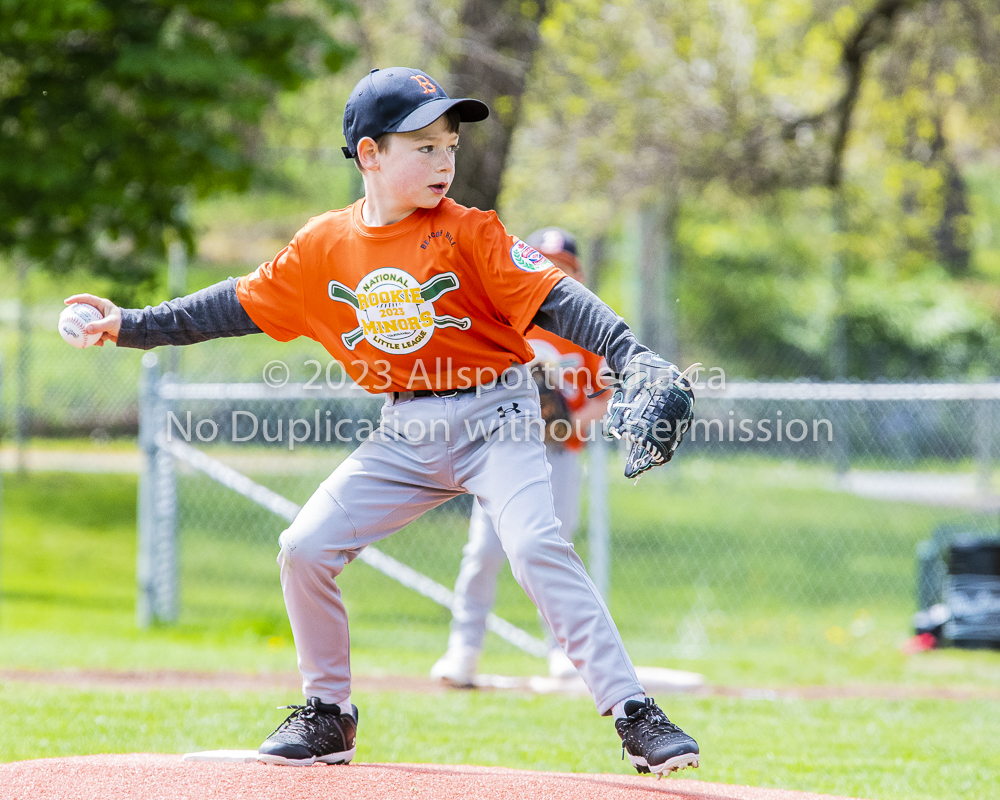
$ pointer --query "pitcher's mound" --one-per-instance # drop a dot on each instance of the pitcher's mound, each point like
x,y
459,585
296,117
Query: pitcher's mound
x,y
142,776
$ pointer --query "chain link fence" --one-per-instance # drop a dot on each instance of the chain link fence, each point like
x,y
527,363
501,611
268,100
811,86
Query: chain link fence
x,y
790,519
59,391
789,522
50,389
798,529
210,514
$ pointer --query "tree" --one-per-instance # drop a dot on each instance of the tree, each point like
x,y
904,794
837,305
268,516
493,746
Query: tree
x,y
498,40
787,131
112,111
481,48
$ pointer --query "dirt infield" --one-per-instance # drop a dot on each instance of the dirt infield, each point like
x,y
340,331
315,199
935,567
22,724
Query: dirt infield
x,y
141,776
240,681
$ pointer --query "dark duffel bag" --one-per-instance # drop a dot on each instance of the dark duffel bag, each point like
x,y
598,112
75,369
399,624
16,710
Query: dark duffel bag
x,y
972,593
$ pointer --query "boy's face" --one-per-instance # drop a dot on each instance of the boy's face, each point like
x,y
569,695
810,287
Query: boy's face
x,y
418,167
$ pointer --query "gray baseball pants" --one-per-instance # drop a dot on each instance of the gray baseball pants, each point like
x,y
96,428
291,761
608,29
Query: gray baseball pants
x,y
483,556
426,451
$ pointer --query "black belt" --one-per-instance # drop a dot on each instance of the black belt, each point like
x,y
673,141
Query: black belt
x,y
434,393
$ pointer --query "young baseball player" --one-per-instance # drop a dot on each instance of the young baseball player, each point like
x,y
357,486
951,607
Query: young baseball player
x,y
573,372
426,302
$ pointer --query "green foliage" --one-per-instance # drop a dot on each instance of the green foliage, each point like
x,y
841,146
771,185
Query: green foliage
x,y
732,113
112,110
754,282
756,289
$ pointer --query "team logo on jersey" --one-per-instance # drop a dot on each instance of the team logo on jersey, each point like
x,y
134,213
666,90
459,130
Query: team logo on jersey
x,y
528,258
395,313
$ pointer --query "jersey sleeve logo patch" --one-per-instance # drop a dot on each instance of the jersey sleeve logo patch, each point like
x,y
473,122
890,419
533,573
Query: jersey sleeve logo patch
x,y
528,258
395,313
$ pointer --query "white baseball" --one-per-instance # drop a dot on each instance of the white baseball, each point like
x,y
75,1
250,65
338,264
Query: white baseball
x,y
73,323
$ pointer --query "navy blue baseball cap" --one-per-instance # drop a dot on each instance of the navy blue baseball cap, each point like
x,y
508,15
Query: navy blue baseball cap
x,y
398,100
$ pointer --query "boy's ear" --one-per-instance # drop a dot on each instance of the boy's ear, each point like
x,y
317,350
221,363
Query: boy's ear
x,y
368,153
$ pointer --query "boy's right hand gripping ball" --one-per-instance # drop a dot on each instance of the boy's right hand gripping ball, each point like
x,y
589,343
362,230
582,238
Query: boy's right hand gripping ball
x,y
652,408
73,323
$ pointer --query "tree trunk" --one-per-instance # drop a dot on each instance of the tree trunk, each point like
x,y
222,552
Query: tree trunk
x,y
952,234
499,40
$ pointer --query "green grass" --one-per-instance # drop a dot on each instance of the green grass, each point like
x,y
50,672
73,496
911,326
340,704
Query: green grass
x,y
860,748
715,588
748,572
778,585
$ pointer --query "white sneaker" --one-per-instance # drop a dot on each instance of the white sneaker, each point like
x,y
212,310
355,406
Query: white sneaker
x,y
457,667
559,665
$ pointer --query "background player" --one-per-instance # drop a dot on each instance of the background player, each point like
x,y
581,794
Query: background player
x,y
573,372
426,301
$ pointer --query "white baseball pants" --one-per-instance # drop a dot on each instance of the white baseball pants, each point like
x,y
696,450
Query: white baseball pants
x,y
426,451
483,556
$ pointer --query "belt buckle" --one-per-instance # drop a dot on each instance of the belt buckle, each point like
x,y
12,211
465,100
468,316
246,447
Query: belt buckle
x,y
451,393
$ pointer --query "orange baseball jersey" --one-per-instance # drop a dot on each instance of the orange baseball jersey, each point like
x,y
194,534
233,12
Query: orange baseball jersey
x,y
439,300
575,371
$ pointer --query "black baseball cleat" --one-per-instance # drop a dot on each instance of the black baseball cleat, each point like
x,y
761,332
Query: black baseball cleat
x,y
652,742
314,732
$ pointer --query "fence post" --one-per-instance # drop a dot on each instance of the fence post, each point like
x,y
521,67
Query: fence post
x,y
656,316
156,561
599,522
984,444
147,435
839,416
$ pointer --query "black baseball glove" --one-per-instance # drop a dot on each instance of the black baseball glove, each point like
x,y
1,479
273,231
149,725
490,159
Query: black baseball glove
x,y
555,411
652,408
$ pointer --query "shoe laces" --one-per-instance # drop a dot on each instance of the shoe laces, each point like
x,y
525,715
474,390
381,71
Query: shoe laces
x,y
650,722
301,718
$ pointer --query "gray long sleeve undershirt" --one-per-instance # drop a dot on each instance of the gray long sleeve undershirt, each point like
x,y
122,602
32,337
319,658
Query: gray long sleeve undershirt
x,y
575,313
570,310
212,313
